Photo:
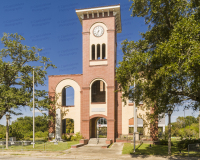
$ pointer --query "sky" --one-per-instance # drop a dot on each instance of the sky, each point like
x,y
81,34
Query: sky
x,y
54,27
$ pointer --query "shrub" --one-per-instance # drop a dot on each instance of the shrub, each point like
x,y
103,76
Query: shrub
x,y
66,137
76,137
165,142
41,134
184,143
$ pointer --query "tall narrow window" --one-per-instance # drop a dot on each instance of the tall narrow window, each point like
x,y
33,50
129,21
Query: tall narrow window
x,y
64,97
103,51
98,51
93,52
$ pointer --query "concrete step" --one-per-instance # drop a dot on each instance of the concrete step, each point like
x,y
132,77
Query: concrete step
x,y
93,141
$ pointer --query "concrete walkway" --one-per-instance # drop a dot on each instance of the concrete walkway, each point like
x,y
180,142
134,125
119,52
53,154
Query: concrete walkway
x,y
83,153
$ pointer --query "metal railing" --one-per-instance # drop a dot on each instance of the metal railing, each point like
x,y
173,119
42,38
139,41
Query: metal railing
x,y
194,149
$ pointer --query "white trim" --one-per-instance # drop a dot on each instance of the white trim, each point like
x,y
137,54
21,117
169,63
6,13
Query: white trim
x,y
94,63
100,8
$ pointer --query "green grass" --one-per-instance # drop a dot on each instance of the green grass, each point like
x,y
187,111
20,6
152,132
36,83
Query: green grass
x,y
48,146
144,149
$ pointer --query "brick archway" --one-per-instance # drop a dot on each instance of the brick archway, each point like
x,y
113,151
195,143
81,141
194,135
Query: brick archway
x,y
98,116
93,124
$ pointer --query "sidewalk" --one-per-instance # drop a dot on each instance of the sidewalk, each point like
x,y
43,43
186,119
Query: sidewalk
x,y
85,152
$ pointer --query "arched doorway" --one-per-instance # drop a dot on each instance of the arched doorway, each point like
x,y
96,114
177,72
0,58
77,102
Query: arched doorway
x,y
98,127
68,126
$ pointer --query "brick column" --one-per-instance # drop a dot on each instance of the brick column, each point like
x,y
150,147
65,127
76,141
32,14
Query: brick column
x,y
51,123
111,113
85,122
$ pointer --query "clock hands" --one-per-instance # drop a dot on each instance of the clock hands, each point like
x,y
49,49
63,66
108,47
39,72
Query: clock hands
x,y
98,31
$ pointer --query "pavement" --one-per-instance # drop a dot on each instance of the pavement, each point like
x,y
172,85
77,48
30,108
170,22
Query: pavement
x,y
85,153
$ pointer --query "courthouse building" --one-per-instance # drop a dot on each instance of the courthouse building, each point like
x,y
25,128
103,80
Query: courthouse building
x,y
96,102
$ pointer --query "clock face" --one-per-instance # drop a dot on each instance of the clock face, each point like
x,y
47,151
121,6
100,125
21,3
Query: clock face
x,y
98,31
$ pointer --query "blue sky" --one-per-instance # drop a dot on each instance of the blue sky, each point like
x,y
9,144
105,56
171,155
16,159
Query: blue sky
x,y
54,26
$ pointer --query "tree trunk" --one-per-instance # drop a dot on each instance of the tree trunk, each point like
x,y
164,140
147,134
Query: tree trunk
x,y
7,130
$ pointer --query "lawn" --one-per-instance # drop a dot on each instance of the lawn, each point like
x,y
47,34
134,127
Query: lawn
x,y
41,146
145,149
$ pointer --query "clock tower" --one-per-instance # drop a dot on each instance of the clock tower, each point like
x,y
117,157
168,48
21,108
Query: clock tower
x,y
100,26
98,110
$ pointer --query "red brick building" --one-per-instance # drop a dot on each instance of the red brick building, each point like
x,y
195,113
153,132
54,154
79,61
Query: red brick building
x,y
94,90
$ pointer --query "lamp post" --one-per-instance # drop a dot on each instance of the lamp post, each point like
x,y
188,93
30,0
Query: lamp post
x,y
33,112
7,129
135,119
169,132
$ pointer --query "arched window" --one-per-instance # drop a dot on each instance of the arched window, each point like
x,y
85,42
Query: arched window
x,y
103,51
102,121
68,96
98,93
93,52
98,51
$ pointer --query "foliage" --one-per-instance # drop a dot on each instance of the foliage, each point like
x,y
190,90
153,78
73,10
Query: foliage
x,y
76,137
165,142
40,134
2,131
23,127
69,125
103,132
16,75
67,137
184,143
165,62
187,127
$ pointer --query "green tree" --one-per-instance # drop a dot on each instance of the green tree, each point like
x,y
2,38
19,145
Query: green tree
x,y
16,75
185,127
2,131
166,61
23,126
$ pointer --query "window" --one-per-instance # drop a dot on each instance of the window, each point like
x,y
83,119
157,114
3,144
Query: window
x,y
98,93
68,96
93,52
102,121
98,51
103,51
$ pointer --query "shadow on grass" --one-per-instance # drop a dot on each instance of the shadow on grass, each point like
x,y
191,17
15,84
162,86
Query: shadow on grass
x,y
144,151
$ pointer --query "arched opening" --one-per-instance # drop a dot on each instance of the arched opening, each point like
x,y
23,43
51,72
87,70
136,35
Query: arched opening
x,y
102,127
68,126
68,96
98,51
103,51
140,128
93,52
98,127
98,92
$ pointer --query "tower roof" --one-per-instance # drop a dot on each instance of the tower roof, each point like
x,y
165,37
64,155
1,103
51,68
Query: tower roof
x,y
115,9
